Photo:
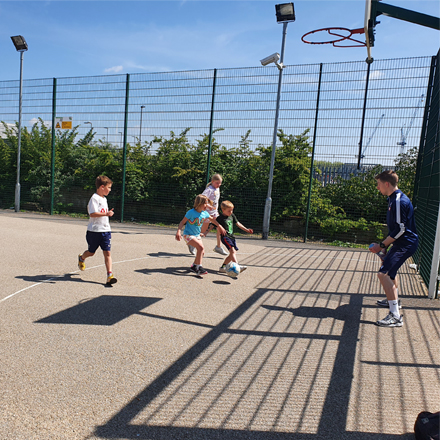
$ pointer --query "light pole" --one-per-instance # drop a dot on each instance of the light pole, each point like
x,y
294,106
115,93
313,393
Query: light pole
x,y
106,139
21,46
91,126
140,130
285,13
120,132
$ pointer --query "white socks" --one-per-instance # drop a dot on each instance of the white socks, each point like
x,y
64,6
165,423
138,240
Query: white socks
x,y
394,307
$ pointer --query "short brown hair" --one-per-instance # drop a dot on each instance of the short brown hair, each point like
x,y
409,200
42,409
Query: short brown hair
x,y
103,180
389,176
227,204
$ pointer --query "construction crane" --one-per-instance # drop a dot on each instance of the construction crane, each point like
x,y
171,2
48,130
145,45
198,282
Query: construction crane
x,y
404,133
372,134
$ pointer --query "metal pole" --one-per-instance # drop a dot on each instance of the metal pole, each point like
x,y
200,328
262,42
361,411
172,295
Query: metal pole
x,y
124,159
268,205
140,129
52,168
363,116
210,127
313,154
17,186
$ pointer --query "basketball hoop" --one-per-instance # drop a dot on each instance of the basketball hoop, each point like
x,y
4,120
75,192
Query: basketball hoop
x,y
342,34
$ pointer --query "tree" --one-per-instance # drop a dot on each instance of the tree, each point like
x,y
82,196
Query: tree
x,y
406,164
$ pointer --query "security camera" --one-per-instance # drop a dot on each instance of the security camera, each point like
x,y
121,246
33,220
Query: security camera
x,y
270,59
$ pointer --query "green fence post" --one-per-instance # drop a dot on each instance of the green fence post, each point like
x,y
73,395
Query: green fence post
x,y
52,169
124,148
313,154
210,128
363,116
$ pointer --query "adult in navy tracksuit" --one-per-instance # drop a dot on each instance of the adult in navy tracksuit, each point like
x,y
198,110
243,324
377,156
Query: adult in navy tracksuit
x,y
402,235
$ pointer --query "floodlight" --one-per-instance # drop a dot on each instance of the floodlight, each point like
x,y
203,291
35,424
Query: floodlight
x,y
19,43
285,12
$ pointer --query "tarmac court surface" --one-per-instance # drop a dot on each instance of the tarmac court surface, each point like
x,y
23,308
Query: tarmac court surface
x,y
288,350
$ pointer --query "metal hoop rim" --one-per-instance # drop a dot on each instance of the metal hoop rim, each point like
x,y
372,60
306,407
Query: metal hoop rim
x,y
338,40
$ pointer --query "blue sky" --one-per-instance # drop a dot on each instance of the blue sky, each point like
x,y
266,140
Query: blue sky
x,y
82,38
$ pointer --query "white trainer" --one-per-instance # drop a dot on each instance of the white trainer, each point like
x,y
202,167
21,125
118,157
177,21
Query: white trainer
x,y
220,250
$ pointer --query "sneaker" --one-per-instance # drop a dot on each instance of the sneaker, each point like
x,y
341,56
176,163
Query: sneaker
x,y
222,269
193,268
220,251
242,268
390,321
111,280
192,250
81,264
201,271
384,303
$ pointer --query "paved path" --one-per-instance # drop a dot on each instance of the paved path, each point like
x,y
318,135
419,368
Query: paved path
x,y
290,347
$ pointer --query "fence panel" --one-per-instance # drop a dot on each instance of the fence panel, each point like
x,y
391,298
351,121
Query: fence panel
x,y
427,190
167,135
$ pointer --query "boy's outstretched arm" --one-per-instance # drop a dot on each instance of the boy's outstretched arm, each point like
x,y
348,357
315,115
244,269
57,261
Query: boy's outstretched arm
x,y
250,231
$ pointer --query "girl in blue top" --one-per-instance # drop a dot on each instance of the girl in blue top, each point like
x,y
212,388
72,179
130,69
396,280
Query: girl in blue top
x,y
196,222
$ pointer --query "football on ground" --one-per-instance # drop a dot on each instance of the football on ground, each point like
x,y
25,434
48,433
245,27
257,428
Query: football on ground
x,y
232,270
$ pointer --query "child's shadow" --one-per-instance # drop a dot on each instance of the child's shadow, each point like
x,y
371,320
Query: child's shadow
x,y
177,271
52,279
168,255
341,313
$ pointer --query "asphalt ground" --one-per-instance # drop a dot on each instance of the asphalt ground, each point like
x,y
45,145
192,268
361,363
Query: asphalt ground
x,y
288,350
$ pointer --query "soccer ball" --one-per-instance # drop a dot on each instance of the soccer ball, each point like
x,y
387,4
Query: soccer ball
x,y
232,270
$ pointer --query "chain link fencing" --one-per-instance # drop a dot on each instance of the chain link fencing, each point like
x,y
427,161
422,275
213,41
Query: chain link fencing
x,y
160,136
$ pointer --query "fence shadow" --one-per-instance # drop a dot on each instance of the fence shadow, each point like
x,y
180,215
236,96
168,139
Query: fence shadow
x,y
280,366
104,310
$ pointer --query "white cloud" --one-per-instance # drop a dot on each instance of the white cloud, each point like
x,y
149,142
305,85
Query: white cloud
x,y
114,69
375,74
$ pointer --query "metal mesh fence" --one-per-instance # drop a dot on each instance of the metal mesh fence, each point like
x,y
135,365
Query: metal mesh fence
x,y
160,135
427,188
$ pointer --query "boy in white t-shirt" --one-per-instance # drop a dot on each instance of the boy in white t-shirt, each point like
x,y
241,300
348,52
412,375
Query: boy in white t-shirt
x,y
98,230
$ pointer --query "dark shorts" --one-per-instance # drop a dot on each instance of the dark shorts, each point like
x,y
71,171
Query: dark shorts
x,y
98,239
229,243
395,257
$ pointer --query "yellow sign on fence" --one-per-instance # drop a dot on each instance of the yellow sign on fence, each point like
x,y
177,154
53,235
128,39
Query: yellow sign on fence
x,y
64,123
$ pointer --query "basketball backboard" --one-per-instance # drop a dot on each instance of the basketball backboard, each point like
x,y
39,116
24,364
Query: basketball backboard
x,y
374,8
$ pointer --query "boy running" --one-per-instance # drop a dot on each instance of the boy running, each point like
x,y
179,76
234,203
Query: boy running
x,y
227,219
98,230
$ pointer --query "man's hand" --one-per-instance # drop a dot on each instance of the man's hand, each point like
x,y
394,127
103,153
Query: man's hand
x,y
375,248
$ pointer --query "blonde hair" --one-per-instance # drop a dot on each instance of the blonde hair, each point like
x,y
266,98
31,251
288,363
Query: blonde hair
x,y
215,177
103,180
227,204
201,200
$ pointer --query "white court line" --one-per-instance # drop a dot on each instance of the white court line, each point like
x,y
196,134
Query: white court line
x,y
145,258
70,273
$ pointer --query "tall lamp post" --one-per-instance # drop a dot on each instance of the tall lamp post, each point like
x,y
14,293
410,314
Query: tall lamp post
x,y
21,46
140,129
106,139
91,126
120,132
285,13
